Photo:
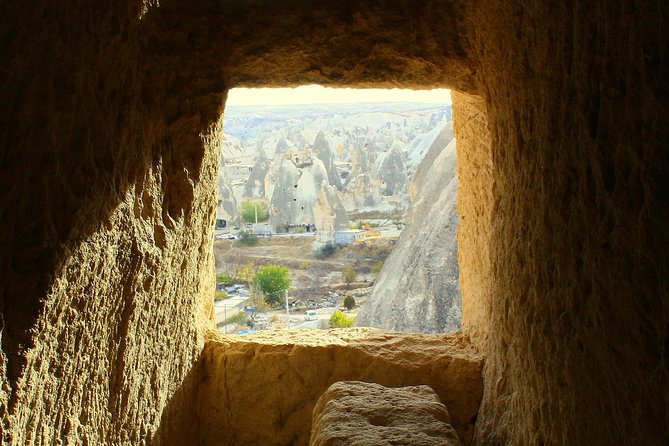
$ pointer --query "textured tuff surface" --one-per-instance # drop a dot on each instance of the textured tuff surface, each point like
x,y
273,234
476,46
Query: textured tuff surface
x,y
262,388
109,119
359,413
418,288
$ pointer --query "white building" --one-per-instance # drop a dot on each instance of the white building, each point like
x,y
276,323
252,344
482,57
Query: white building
x,y
348,237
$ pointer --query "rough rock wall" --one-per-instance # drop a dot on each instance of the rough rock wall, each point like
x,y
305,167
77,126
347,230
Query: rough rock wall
x,y
107,208
578,313
261,389
476,211
107,183
418,288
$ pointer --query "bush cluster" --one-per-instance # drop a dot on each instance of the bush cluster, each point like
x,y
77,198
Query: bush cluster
x,y
340,320
326,251
247,238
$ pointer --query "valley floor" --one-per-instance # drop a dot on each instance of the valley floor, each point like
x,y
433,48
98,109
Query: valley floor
x,y
317,283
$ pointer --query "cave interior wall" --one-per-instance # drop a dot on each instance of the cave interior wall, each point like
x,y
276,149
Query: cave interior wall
x,y
110,124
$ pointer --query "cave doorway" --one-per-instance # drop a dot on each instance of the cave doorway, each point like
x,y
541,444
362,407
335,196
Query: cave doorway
x,y
349,133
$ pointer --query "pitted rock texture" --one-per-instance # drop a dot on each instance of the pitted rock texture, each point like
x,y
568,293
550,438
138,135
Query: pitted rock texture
x,y
577,305
108,116
262,388
368,414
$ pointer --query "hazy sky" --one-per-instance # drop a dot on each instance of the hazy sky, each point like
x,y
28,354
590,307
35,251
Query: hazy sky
x,y
316,94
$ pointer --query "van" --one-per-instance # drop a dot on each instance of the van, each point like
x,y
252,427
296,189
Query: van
x,y
310,315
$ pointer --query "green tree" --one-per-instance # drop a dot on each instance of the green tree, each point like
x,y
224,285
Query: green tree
x,y
258,303
249,209
340,320
273,281
349,274
326,250
246,272
349,302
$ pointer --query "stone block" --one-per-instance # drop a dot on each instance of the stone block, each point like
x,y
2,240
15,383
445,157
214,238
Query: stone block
x,y
360,413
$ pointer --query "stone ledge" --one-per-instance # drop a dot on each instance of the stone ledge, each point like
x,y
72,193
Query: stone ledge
x,y
367,414
262,388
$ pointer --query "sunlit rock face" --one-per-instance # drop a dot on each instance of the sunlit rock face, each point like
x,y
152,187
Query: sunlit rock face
x,y
304,196
226,208
361,413
321,149
109,116
256,183
295,367
418,288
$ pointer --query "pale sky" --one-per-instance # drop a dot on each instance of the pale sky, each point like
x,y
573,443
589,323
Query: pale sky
x,y
316,94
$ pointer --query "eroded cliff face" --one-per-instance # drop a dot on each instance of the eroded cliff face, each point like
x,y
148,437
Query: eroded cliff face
x,y
108,118
418,288
304,196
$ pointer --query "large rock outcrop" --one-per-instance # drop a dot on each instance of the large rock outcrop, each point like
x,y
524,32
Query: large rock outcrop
x,y
418,288
361,187
390,170
303,196
322,151
255,184
226,208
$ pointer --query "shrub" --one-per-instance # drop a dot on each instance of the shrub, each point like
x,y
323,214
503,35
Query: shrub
x,y
238,318
340,320
377,267
304,264
326,251
245,273
349,302
349,274
224,278
247,238
220,295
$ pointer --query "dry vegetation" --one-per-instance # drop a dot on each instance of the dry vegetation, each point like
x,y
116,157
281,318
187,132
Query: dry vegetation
x,y
311,276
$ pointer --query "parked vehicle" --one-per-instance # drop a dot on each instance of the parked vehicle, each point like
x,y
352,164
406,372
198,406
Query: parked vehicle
x,y
310,315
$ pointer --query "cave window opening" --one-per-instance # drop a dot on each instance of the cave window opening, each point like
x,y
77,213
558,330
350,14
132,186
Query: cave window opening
x,y
352,157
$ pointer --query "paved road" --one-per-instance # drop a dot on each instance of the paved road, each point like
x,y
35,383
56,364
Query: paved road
x,y
319,323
